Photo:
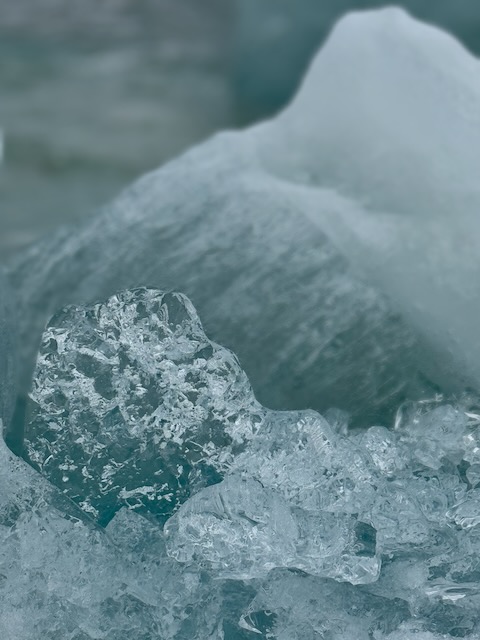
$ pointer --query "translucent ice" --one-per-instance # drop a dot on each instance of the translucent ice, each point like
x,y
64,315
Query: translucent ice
x,y
296,607
289,237
260,506
294,227
238,529
285,524
62,577
135,406
301,322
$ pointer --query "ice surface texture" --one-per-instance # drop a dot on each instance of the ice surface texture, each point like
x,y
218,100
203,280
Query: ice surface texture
x,y
8,352
134,405
267,282
287,237
61,577
280,524
276,39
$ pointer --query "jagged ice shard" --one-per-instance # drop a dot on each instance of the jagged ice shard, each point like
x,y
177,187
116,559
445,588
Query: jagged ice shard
x,y
335,247
8,353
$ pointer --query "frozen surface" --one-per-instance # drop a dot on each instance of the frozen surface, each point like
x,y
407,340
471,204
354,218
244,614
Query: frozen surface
x,y
276,39
8,352
244,521
135,406
62,577
305,328
332,248
260,506
156,79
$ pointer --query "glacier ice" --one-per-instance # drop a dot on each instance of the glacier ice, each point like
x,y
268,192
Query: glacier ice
x,y
300,321
334,249
275,39
63,577
8,353
225,223
325,236
133,405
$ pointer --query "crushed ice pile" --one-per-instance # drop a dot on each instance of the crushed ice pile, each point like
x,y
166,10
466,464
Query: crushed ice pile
x,y
334,250
220,518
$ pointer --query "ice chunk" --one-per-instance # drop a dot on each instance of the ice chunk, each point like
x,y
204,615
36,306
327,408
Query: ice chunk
x,y
135,406
313,467
8,353
232,222
62,577
239,530
393,511
466,514
399,139
307,330
289,236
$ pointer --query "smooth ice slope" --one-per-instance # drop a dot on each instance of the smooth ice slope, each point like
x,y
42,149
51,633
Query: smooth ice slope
x,y
8,354
389,118
134,407
290,237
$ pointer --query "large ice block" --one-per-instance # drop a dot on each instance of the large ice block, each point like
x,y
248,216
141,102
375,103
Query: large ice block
x,y
332,248
8,352
133,405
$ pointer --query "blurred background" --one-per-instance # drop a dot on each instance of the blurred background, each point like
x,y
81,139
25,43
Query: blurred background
x,y
94,93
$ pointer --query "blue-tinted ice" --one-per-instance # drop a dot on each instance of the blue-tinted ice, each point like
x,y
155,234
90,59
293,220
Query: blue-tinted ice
x,y
260,506
336,246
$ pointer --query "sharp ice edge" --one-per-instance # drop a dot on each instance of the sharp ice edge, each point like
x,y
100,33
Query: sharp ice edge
x,y
133,405
276,504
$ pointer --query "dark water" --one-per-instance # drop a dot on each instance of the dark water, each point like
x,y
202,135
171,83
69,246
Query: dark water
x,y
92,98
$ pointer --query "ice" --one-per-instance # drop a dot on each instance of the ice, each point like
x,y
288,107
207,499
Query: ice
x,y
259,507
403,151
289,237
8,353
62,577
239,530
133,405
249,220
214,227
326,236
296,607
276,39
